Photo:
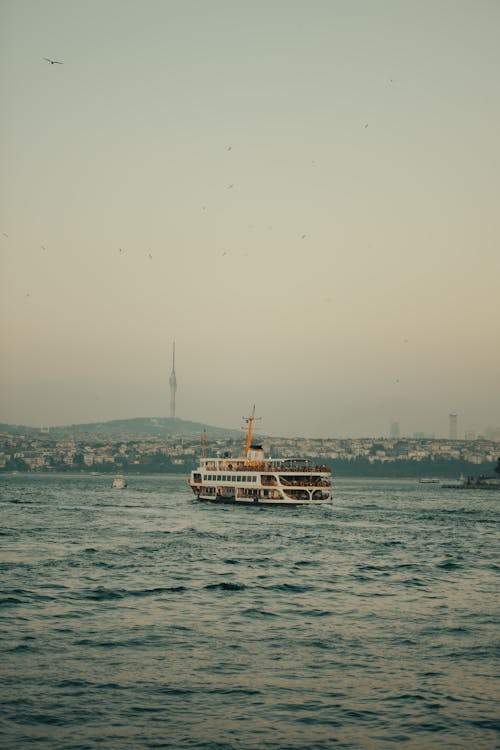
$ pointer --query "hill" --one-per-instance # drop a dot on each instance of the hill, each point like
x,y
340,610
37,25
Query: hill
x,y
154,426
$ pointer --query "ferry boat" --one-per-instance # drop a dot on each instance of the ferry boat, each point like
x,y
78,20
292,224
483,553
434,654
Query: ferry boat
x,y
256,480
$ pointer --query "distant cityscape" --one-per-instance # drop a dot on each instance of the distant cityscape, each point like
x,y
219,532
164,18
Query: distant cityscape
x,y
96,452
173,445
489,433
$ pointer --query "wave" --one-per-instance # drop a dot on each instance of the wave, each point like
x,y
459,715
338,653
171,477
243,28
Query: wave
x,y
258,613
225,586
297,588
448,565
103,594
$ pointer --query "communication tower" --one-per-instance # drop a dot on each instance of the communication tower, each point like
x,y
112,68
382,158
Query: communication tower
x,y
173,384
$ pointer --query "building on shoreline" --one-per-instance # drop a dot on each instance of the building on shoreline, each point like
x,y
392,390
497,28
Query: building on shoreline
x,y
46,452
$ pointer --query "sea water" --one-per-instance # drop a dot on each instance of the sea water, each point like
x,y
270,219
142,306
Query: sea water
x,y
139,618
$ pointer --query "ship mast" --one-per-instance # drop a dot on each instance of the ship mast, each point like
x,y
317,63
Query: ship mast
x,y
203,443
249,420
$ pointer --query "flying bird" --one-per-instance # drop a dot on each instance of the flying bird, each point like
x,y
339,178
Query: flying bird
x,y
53,62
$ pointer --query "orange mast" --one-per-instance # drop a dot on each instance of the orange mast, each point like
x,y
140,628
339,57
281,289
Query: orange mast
x,y
249,420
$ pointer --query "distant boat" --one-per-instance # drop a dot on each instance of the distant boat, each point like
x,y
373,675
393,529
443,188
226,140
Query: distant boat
x,y
474,483
119,483
428,480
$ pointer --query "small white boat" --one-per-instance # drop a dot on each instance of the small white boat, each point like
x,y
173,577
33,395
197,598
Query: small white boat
x,y
119,483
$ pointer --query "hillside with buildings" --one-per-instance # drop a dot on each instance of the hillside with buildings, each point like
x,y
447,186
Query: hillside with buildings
x,y
164,452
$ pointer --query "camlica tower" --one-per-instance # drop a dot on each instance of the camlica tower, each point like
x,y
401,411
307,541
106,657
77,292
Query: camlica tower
x,y
173,384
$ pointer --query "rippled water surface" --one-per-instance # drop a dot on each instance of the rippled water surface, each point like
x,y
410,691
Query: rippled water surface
x,y
140,619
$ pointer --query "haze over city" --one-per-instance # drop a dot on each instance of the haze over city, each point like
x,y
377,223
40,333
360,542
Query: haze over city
x,y
304,196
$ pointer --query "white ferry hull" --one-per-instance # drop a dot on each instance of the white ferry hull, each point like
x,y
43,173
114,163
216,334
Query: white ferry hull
x,y
282,503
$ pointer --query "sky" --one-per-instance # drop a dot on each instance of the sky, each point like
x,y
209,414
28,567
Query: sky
x,y
303,195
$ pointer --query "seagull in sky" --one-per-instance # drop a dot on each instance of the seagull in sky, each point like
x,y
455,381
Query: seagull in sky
x,y
53,62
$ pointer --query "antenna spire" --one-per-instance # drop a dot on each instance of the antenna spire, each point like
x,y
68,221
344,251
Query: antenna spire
x,y
173,384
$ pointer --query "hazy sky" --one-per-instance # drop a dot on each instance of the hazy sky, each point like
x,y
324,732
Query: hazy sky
x,y
304,195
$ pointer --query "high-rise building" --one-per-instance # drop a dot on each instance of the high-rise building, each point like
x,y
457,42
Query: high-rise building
x,y
453,430
173,384
395,431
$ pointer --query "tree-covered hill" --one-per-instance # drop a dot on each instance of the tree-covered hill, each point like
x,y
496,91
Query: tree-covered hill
x,y
154,426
